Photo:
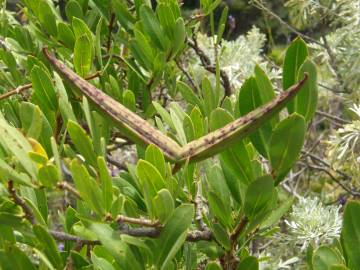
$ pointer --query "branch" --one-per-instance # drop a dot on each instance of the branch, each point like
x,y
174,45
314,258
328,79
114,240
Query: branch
x,y
139,221
29,215
206,62
353,193
116,163
187,75
111,25
238,230
198,208
260,6
320,160
66,186
62,237
333,118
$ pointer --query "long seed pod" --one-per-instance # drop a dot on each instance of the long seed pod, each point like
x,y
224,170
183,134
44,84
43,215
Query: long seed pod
x,y
140,131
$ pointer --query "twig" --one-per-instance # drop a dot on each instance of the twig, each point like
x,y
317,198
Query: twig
x,y
62,237
116,163
139,221
111,25
326,164
66,186
192,236
195,236
334,118
187,75
353,193
238,230
198,208
206,62
29,215
260,6
25,87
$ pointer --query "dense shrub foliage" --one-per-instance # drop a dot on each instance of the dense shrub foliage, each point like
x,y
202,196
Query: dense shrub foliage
x,y
133,135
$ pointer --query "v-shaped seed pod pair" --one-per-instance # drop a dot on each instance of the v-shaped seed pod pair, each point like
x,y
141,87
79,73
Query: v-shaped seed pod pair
x,y
140,131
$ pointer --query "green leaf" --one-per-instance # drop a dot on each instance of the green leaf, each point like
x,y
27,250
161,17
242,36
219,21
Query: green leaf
x,y
222,24
220,194
44,89
129,100
73,9
82,142
210,102
106,183
49,245
151,182
258,196
35,124
82,55
173,235
325,257
188,94
165,116
100,263
351,233
9,173
116,247
180,36
178,124
285,145
306,100
156,158
277,213
198,122
164,205
166,19
66,35
13,258
153,28
15,143
221,235
249,263
295,56
257,91
126,19
65,106
47,18
87,187
80,28
49,175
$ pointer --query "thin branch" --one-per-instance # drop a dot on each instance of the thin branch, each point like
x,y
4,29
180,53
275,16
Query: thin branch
x,y
62,237
315,167
333,118
23,88
29,215
238,230
116,163
139,221
187,75
192,236
320,160
206,62
66,186
111,25
198,208
261,6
